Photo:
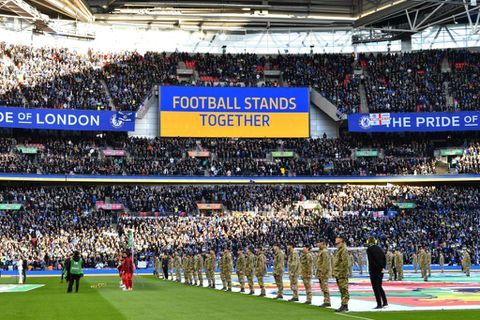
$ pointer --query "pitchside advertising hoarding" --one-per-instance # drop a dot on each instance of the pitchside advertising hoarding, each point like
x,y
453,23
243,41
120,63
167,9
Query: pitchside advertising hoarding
x,y
414,122
63,119
234,112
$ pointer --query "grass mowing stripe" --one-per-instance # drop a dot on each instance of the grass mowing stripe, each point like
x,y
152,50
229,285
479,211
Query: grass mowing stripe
x,y
52,302
352,316
173,301
154,299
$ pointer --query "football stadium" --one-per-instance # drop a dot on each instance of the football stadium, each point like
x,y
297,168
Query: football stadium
x,y
239,159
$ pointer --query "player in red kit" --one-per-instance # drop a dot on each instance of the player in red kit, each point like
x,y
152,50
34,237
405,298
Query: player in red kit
x,y
120,271
127,270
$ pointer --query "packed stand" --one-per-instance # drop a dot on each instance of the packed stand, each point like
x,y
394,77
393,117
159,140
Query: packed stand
x,y
53,221
223,157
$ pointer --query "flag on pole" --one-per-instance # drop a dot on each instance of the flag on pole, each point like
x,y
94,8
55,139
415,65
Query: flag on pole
x,y
130,239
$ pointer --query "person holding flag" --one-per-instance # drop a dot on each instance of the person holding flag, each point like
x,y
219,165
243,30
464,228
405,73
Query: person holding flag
x,y
127,266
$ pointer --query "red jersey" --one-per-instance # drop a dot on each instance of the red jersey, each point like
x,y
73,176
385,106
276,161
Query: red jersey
x,y
127,265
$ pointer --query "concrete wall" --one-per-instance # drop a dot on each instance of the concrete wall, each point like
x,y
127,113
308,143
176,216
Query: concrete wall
x,y
148,126
321,123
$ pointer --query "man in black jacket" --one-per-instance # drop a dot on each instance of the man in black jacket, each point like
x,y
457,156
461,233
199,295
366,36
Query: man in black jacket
x,y
165,261
376,266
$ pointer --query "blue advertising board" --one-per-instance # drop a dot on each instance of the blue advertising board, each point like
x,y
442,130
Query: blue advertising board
x,y
63,119
233,112
414,122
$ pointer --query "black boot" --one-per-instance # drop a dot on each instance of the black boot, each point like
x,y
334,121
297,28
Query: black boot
x,y
343,308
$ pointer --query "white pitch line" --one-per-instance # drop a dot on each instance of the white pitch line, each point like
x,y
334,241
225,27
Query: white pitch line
x,y
352,316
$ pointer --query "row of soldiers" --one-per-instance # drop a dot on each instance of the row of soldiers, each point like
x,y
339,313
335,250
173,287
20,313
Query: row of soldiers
x,y
423,260
253,264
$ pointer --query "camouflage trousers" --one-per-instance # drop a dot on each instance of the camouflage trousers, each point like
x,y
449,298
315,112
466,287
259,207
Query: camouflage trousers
x,y
342,284
467,271
390,273
178,275
294,286
324,287
198,277
424,272
226,278
415,267
250,281
279,283
307,283
400,273
241,279
188,277
442,268
210,278
261,283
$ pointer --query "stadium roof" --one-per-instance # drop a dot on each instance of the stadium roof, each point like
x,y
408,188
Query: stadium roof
x,y
384,19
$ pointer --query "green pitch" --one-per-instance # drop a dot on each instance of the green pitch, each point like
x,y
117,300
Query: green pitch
x,y
157,299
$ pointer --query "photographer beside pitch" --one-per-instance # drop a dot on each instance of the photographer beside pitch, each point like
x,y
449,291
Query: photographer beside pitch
x,y
74,267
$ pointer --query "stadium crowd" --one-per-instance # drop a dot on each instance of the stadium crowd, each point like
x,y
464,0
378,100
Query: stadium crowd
x,y
225,157
429,80
53,221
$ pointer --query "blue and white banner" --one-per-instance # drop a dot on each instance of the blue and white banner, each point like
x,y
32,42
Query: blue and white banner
x,y
63,119
414,122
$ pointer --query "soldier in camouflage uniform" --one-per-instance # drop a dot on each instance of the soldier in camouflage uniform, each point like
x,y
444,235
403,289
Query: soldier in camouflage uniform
x,y
188,268
240,267
415,262
389,257
429,260
198,269
340,272
398,257
210,266
278,270
261,270
423,262
177,262
250,269
226,270
170,266
361,261
323,271
293,264
441,261
466,262
306,268
350,264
